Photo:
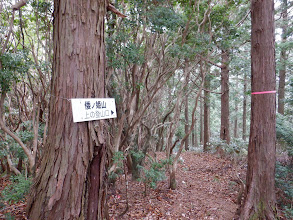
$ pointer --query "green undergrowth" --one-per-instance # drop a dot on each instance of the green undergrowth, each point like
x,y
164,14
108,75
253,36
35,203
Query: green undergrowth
x,y
153,172
17,190
284,184
237,146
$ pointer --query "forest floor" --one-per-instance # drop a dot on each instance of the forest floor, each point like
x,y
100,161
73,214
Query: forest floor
x,y
7,210
207,188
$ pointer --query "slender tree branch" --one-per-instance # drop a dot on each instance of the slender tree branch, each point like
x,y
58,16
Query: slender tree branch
x,y
112,8
8,35
18,5
209,61
14,136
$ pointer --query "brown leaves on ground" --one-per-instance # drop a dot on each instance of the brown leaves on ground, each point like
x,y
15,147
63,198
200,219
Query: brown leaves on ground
x,y
10,211
206,189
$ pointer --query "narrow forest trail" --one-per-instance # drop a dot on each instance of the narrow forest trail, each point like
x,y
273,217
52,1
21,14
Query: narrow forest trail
x,y
206,189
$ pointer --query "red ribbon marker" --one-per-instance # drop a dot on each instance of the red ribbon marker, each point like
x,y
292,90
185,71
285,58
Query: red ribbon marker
x,y
264,92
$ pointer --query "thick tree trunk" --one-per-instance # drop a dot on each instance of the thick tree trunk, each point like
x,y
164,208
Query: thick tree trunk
x,y
283,59
260,200
70,183
225,131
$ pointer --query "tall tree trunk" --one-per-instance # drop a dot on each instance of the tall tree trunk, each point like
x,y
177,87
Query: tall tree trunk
x,y
225,131
172,182
201,129
186,127
244,108
70,183
236,111
260,199
160,143
236,119
283,59
194,135
206,113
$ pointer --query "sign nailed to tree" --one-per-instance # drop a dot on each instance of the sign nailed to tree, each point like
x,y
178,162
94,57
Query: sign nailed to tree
x,y
89,109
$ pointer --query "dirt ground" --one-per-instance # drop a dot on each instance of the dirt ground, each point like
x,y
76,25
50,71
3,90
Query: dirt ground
x,y
206,189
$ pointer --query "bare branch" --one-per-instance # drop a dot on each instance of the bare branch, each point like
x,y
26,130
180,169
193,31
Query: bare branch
x,y
8,35
209,61
112,8
18,5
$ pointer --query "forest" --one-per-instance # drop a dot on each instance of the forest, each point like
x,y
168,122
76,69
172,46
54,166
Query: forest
x,y
203,96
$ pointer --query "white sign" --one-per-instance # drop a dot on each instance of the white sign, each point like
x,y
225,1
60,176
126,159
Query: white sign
x,y
90,109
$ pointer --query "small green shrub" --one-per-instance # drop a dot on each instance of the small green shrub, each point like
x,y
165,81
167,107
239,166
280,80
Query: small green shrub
x,y
117,159
8,216
17,190
154,172
137,155
237,146
288,211
284,130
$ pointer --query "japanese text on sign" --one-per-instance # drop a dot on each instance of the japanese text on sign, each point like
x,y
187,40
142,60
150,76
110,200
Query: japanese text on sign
x,y
93,109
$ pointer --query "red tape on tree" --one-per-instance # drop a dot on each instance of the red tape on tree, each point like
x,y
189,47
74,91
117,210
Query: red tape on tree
x,y
263,92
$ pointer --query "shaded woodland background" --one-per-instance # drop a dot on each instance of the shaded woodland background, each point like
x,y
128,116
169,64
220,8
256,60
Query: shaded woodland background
x,y
180,75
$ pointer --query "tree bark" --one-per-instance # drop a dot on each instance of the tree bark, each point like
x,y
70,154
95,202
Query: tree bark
x,y
206,114
186,127
260,199
225,131
236,119
283,59
244,108
201,129
3,167
236,112
70,183
194,135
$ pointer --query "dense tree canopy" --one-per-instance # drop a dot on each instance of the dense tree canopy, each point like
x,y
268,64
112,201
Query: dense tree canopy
x,y
179,72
